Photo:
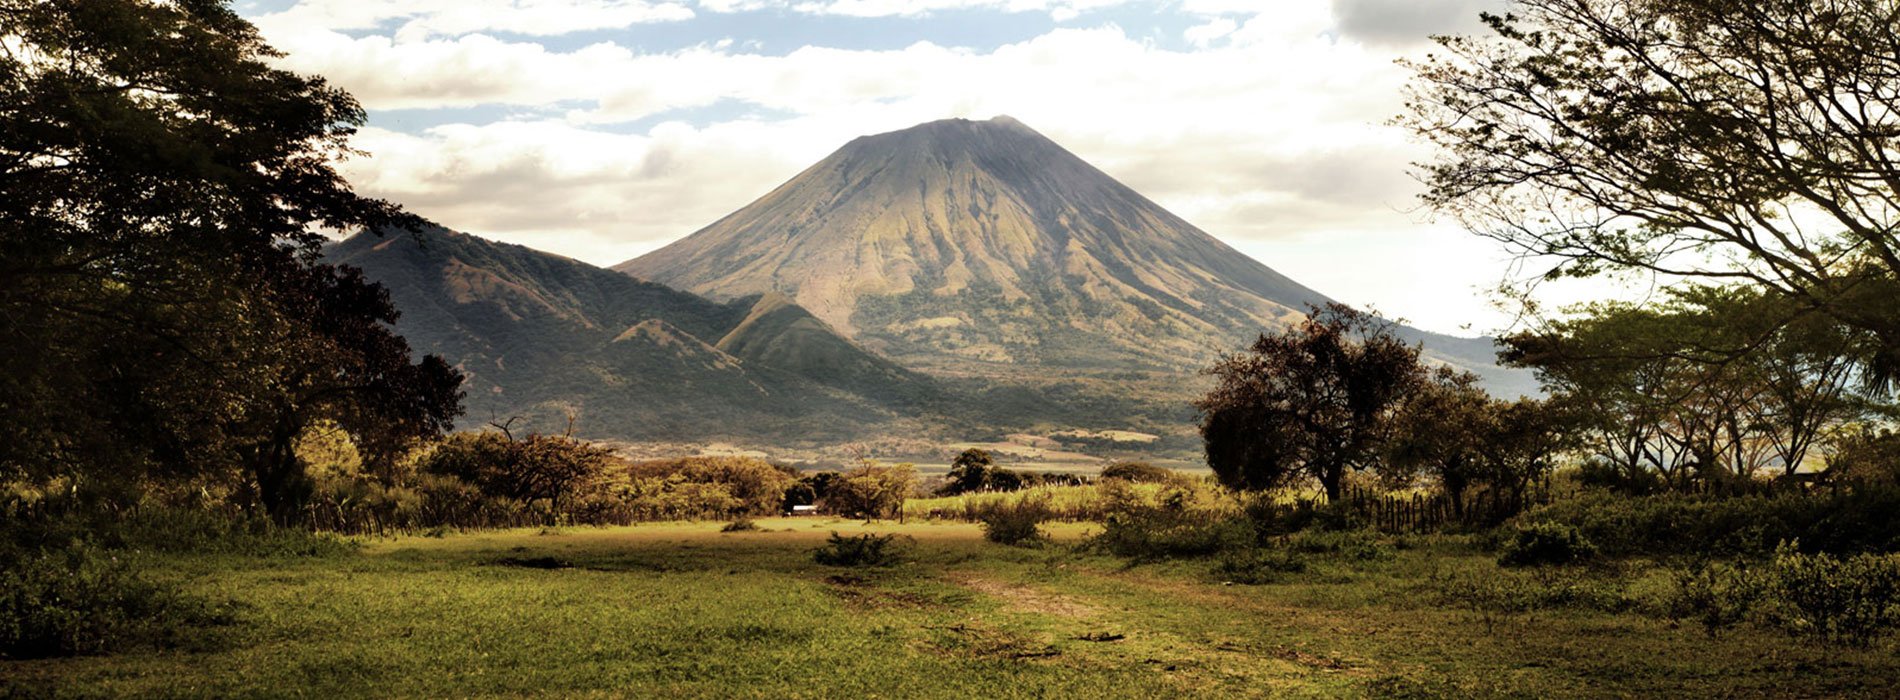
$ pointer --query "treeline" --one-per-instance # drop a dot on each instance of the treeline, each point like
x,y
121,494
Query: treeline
x,y
974,470
1712,386
492,478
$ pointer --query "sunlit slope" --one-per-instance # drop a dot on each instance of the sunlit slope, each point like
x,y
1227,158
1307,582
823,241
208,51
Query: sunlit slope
x,y
965,246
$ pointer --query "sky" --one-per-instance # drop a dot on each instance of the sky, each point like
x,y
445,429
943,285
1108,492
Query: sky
x,y
602,129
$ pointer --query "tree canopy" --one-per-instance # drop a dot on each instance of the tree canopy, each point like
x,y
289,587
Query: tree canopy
x,y
163,196
1314,400
1730,141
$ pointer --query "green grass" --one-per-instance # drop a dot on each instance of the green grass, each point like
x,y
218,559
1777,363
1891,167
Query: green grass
x,y
683,610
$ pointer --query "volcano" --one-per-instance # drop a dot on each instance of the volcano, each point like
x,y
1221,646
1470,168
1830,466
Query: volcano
x,y
983,248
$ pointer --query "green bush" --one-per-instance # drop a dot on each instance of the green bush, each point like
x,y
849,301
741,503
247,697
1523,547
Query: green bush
x,y
1160,533
1259,566
551,467
1842,600
1138,472
742,524
157,528
1855,521
84,600
1545,544
872,491
860,550
1716,595
1017,523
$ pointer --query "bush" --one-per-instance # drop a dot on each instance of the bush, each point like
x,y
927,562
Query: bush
x,y
87,601
1545,544
1138,472
1259,566
163,529
1856,521
1157,535
1851,600
551,467
741,525
860,551
1015,523
1718,596
1183,520
1847,601
746,485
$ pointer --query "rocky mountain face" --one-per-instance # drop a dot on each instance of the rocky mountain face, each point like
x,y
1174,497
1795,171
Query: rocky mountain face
x,y
983,249
544,337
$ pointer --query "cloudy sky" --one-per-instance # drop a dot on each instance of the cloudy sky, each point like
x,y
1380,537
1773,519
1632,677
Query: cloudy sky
x,y
601,129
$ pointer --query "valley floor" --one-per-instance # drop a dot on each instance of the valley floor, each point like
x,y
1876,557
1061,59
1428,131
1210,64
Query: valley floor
x,y
683,610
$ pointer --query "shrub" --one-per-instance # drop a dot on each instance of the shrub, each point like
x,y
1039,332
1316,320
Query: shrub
x,y
87,601
1160,534
1716,595
1138,472
1842,600
1015,523
1259,566
743,524
1182,520
750,486
1545,544
860,550
872,491
538,466
1855,521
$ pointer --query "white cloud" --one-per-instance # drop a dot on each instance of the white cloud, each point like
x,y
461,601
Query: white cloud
x,y
1205,34
419,19
1060,10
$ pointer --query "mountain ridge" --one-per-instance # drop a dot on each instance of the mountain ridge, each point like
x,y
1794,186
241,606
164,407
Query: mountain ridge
x,y
543,336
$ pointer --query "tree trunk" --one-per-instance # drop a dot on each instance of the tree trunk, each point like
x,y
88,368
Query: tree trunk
x,y
282,485
1332,478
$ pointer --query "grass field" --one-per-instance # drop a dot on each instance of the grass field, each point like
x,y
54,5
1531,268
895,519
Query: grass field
x,y
683,610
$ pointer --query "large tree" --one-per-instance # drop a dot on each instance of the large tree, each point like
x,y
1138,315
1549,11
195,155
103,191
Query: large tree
x,y
163,192
1314,400
1704,382
1442,431
1753,141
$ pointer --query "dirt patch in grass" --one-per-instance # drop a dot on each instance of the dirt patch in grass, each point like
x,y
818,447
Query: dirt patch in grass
x,y
1287,653
975,640
860,593
1024,598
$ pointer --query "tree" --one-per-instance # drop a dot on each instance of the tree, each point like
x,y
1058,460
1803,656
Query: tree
x,y
872,491
1442,430
325,342
1314,400
1750,141
536,467
1525,438
970,471
163,196
1710,382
